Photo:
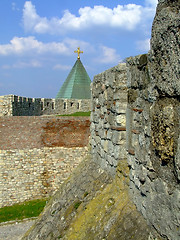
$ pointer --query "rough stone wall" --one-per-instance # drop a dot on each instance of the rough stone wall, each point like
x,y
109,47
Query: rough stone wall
x,y
6,105
35,173
153,129
38,153
11,105
108,117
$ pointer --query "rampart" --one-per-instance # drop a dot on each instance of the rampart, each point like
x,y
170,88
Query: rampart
x,y
12,105
152,123
108,117
38,153
153,128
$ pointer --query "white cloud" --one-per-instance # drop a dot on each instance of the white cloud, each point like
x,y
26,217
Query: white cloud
x,y
143,45
62,67
14,7
23,64
5,66
108,55
30,46
32,63
125,17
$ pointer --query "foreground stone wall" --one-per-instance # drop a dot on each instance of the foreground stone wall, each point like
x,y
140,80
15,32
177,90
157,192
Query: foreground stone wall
x,y
152,123
38,153
108,117
35,173
153,132
12,105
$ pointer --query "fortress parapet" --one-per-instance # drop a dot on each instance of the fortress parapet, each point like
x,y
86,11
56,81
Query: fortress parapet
x,y
12,105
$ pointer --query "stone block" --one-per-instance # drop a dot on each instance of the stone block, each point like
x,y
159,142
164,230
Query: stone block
x,y
121,120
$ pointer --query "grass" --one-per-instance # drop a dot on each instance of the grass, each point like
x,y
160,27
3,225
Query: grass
x,y
77,204
78,114
23,210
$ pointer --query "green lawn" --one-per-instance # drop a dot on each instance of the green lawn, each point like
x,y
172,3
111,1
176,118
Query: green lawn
x,y
23,210
78,114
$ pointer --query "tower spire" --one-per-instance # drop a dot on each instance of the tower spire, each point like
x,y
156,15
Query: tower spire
x,y
78,51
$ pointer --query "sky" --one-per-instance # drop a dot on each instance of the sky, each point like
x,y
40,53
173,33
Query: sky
x,y
38,39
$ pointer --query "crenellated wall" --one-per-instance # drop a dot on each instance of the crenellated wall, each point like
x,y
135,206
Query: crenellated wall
x,y
12,105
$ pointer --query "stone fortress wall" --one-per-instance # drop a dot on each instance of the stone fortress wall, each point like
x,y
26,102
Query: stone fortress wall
x,y
152,123
108,117
28,174
154,112
12,105
38,153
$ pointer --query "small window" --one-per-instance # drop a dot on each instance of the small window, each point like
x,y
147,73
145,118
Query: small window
x,y
29,105
71,104
41,105
52,105
64,105
47,104
78,105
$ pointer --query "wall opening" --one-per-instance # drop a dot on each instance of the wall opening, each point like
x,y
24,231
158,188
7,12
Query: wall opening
x,y
42,107
78,105
52,105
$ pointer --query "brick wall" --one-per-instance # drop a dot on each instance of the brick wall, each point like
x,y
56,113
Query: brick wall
x,y
38,153
38,131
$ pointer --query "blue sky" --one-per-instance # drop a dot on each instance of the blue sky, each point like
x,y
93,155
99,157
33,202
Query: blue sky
x,y
38,39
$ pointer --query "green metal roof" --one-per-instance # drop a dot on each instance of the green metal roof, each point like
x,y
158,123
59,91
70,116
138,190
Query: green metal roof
x,y
77,84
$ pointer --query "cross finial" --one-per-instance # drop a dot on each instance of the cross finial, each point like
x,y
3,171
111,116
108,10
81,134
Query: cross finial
x,y
78,52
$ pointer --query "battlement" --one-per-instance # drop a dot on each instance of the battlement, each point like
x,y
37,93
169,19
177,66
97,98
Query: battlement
x,y
12,105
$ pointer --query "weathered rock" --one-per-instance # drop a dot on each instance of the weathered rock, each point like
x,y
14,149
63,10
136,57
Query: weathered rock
x,y
91,205
153,127
165,46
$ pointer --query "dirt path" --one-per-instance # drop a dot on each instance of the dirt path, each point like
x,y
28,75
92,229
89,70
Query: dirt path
x,y
15,230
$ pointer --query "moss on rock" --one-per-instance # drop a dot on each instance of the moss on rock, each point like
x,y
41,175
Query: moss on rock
x,y
91,205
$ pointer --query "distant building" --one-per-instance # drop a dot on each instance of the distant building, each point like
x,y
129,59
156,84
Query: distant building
x,y
77,84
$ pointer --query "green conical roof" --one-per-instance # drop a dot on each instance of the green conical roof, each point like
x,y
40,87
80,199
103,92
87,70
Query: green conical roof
x,y
77,84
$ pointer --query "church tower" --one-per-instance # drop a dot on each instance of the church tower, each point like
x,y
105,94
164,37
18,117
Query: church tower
x,y
77,84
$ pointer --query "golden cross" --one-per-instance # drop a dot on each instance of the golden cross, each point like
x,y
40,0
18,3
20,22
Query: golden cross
x,y
78,52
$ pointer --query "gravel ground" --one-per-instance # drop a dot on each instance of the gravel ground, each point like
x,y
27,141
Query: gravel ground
x,y
14,230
